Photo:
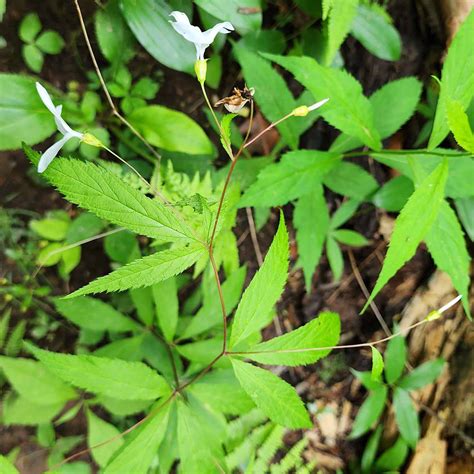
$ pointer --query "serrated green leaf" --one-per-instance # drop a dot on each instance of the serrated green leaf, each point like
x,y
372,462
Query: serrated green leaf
x,y
13,345
137,454
129,348
369,412
94,314
165,295
98,190
348,109
448,248
377,364
340,17
111,377
457,79
400,97
394,194
459,125
376,34
50,42
294,176
350,180
406,417
99,431
311,220
395,358
412,225
30,26
145,271
271,94
226,123
422,375
24,411
465,208
33,382
264,289
276,398
323,331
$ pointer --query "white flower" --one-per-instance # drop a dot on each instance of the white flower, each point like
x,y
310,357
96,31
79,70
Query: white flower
x,y
201,39
48,156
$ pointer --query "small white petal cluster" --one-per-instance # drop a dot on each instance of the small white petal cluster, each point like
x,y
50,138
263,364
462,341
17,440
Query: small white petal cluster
x,y
201,39
48,156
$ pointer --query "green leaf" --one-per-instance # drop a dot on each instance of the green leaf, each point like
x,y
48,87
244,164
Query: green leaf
x,y
369,412
94,314
423,375
222,392
23,117
377,364
465,208
137,454
344,212
459,124
113,35
6,466
226,132
336,260
122,247
143,301
401,97
98,190
199,439
340,17
350,180
83,227
268,41
111,377
448,248
349,237
98,432
171,130
271,94
145,88
366,379
370,450
457,79
70,259
321,332
235,11
264,289
348,109
165,295
33,382
395,358
49,228
33,57
150,22
406,417
393,458
50,42
394,194
276,398
129,348
311,220
24,411
294,176
376,34
145,271
412,225
30,26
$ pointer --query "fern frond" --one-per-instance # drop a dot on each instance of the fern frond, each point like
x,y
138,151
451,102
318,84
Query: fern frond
x,y
271,445
4,326
239,428
13,346
292,459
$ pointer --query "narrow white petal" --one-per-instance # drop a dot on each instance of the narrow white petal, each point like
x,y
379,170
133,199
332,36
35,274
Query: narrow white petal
x,y
210,34
62,126
184,27
317,104
48,156
45,97
449,304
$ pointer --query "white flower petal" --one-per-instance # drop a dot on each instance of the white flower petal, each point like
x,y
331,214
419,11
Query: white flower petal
x,y
210,34
45,97
48,156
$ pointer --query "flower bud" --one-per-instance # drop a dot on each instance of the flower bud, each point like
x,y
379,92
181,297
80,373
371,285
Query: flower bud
x,y
301,111
200,68
90,139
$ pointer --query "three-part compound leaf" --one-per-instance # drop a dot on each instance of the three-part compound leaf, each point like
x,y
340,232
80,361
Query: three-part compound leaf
x,y
275,397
